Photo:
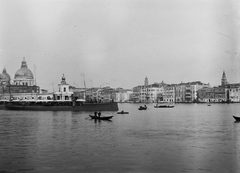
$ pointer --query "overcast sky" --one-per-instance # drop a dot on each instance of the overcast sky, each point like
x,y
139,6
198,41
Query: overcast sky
x,y
120,42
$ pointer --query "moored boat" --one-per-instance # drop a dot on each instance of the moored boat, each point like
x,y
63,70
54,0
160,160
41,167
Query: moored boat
x,y
51,105
123,112
100,117
163,106
2,104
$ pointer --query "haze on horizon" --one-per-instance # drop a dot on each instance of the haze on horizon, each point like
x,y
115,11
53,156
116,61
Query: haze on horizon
x,y
120,42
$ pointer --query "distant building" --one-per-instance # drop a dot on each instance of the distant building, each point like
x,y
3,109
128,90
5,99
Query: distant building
x,y
148,92
64,92
233,92
136,92
23,86
4,77
223,93
124,95
169,93
180,92
224,79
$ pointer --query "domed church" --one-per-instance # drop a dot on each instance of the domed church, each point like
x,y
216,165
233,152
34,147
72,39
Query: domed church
x,y
24,76
5,77
23,86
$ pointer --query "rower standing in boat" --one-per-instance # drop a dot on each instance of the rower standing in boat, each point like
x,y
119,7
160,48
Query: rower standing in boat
x,y
95,113
99,114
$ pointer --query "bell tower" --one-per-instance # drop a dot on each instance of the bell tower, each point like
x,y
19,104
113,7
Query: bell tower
x,y
146,81
224,79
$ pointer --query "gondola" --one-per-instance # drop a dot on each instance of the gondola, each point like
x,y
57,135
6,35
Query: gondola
x,y
236,118
101,117
142,108
122,112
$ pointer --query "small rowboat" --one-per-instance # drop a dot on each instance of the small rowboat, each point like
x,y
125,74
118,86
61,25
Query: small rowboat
x,y
142,108
122,112
100,118
236,118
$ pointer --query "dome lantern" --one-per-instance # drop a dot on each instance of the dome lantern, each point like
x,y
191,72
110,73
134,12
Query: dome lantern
x,y
24,63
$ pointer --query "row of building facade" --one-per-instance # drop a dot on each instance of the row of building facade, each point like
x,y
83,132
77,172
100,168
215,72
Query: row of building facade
x,y
23,87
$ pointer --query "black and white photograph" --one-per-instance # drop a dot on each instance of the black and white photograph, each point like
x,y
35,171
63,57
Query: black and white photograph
x,y
119,86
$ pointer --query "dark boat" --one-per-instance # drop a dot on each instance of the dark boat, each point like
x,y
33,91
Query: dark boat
x,y
101,117
2,104
236,118
164,106
60,106
142,108
122,112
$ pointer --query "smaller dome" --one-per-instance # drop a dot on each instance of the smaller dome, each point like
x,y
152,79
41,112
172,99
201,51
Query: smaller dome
x,y
4,76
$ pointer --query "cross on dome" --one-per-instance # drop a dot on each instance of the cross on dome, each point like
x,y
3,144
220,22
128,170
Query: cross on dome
x,y
24,63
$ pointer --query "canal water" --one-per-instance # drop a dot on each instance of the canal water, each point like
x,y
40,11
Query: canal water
x,y
186,138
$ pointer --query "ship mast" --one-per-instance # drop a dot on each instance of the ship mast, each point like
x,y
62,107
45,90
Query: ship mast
x,y
82,74
35,75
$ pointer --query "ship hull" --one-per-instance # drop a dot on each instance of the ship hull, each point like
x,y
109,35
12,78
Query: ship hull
x,y
112,106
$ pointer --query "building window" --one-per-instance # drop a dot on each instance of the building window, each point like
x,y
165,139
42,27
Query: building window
x,y
64,89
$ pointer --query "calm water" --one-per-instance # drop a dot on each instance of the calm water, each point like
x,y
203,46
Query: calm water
x,y
187,138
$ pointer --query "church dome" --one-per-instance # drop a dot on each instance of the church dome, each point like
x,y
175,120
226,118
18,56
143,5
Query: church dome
x,y
23,72
4,76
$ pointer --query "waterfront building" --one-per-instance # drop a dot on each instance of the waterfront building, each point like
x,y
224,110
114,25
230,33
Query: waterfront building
x,y
124,95
148,92
106,94
155,91
220,94
212,94
64,92
136,93
223,93
202,95
23,86
233,92
192,88
180,92
169,93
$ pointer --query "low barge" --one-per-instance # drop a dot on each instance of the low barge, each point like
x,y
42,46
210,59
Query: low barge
x,y
60,106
